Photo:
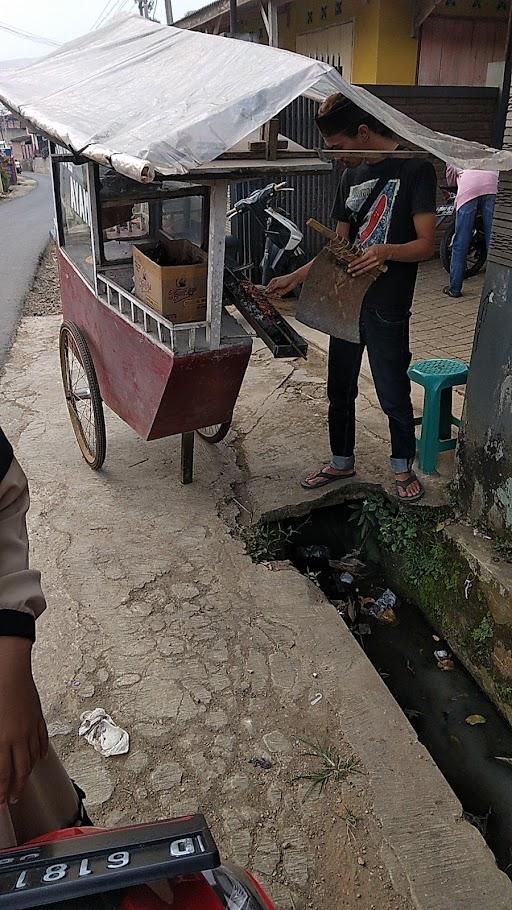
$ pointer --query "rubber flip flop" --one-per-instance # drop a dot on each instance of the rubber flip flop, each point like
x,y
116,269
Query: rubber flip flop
x,y
325,478
403,484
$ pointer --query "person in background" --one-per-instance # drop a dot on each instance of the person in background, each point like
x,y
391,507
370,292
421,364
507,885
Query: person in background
x,y
386,207
36,794
476,191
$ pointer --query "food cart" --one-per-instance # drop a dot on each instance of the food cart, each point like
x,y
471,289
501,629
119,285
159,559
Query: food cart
x,y
161,377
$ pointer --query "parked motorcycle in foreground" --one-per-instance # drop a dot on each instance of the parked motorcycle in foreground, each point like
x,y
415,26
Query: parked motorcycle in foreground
x,y
95,869
477,253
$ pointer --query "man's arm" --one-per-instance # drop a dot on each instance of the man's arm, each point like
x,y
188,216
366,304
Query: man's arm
x,y
23,736
285,284
415,251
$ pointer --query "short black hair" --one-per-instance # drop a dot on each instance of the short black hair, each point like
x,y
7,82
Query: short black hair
x,y
338,114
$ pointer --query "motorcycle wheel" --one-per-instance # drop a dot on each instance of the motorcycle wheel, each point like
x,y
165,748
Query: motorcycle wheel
x,y
477,254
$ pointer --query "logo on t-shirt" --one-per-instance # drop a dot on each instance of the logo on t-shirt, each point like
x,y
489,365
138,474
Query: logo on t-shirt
x,y
375,227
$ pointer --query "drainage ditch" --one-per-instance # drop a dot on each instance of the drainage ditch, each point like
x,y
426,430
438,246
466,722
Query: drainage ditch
x,y
465,734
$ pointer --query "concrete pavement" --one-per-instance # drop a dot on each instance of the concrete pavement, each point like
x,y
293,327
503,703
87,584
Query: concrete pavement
x,y
157,614
25,223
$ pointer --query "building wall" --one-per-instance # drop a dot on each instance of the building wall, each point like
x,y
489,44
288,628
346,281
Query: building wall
x,y
384,49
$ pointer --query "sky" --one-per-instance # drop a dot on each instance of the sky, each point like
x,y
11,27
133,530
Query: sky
x,y
62,20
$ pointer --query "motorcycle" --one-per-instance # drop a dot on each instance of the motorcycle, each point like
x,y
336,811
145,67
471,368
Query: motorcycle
x,y
282,252
85,868
477,253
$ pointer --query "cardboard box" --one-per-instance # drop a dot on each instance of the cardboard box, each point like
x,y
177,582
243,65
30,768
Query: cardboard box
x,y
175,284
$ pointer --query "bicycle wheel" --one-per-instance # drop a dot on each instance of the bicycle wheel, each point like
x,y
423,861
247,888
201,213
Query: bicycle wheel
x,y
215,433
83,396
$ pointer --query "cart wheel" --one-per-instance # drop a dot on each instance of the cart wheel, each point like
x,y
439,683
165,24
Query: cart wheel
x,y
82,395
215,433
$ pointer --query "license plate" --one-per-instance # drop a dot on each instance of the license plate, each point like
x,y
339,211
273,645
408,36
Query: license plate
x,y
104,861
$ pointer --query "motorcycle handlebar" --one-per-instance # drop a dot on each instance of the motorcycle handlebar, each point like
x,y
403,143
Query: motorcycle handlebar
x,y
272,189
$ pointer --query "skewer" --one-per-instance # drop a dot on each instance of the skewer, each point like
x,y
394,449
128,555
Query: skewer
x,y
339,246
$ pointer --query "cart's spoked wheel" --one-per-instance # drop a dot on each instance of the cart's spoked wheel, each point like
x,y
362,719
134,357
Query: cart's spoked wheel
x,y
82,395
215,433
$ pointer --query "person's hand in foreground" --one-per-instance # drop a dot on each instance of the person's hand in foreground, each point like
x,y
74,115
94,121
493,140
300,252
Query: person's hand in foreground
x,y
23,734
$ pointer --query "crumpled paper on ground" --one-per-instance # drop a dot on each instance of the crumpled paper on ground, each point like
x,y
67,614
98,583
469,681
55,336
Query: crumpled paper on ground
x,y
100,731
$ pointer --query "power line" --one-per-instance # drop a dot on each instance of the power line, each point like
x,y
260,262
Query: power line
x,y
119,6
102,16
21,33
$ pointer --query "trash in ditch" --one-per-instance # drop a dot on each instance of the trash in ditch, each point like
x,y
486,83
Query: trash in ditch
x,y
388,616
436,638
316,698
100,731
468,584
363,629
318,553
387,599
444,659
475,719
350,563
262,763
381,609
441,654
504,759
343,582
346,578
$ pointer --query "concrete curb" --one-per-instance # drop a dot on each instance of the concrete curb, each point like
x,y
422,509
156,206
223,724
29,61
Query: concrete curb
x,y
430,849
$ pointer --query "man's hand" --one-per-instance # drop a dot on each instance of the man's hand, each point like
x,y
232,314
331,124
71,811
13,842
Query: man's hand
x,y
280,287
23,735
374,257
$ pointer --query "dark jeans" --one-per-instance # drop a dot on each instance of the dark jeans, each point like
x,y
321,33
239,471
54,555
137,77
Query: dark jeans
x,y
389,355
464,224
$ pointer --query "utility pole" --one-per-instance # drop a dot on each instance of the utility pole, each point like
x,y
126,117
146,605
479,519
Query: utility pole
x,y
168,12
233,22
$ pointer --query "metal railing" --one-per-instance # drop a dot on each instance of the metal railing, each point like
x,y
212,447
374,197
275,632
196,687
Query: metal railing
x,y
148,321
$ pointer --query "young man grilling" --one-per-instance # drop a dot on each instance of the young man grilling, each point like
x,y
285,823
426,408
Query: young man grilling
x,y
386,207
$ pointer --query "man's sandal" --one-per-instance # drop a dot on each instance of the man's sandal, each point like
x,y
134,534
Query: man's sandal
x,y
404,484
323,478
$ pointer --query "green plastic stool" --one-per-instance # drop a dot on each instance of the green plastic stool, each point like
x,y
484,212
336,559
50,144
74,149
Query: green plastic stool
x,y
437,378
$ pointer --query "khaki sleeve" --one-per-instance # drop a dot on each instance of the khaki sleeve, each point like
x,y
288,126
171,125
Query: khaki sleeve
x,y
21,596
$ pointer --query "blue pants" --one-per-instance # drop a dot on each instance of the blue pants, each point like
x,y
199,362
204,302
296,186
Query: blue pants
x,y
464,224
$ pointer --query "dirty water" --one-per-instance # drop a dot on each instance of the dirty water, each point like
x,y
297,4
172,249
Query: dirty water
x,y
437,701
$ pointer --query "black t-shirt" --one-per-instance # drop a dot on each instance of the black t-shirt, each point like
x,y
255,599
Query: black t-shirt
x,y
410,190
6,454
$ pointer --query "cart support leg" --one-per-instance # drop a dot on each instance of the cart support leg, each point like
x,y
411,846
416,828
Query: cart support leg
x,y
187,457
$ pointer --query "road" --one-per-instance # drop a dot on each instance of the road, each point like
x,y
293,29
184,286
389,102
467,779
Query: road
x,y
24,232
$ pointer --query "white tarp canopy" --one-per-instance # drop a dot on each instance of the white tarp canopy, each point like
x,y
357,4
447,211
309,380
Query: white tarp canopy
x,y
145,97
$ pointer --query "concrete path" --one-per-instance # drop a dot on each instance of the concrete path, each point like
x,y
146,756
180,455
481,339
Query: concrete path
x,y
157,614
25,223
